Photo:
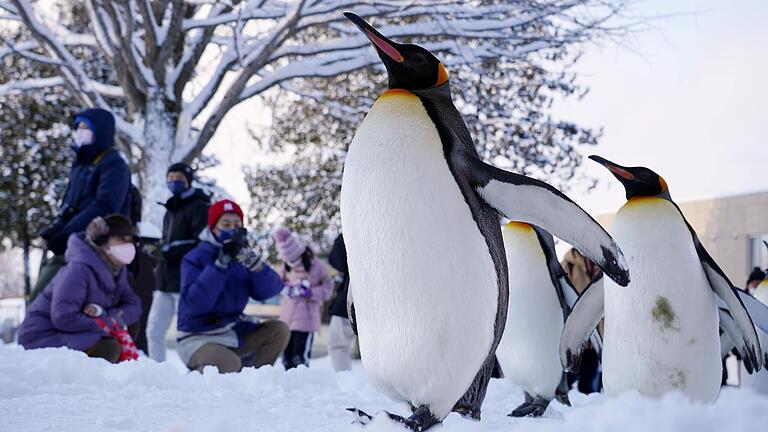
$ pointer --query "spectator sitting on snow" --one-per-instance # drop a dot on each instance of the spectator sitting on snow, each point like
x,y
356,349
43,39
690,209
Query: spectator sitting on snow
x,y
306,286
185,217
93,284
217,277
98,185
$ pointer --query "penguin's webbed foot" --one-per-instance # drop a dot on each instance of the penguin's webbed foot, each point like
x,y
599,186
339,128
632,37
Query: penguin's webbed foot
x,y
535,408
361,417
421,419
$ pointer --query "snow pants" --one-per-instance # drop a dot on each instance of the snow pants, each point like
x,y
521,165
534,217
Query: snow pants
x,y
340,343
164,307
49,270
260,347
298,350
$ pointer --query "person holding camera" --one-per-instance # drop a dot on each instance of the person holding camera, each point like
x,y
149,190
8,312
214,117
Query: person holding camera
x,y
306,286
89,303
217,278
98,185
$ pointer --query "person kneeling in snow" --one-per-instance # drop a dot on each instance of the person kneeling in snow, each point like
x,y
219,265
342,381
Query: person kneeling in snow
x,y
89,301
307,286
217,277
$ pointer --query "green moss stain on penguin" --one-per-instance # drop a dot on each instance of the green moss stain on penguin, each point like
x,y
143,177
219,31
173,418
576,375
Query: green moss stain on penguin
x,y
678,378
663,313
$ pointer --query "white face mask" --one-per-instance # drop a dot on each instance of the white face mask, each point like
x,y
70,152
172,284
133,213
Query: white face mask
x,y
123,253
83,137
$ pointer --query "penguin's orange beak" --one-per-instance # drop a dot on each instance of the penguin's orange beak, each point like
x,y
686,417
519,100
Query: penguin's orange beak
x,y
382,44
617,170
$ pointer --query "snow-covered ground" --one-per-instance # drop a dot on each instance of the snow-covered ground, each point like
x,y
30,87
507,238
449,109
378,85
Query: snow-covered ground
x,y
62,390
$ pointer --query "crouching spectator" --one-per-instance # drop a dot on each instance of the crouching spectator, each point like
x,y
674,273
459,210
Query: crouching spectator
x,y
306,286
88,302
217,278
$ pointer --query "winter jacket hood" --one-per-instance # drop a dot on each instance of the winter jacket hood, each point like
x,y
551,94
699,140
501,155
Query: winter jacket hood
x,y
56,316
103,124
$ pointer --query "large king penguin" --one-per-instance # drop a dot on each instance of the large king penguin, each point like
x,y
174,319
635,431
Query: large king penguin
x,y
540,298
661,332
420,214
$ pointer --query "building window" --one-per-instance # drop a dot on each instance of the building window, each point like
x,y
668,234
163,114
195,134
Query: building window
x,y
758,252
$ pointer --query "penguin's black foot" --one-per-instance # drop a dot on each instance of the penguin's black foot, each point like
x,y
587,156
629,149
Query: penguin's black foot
x,y
421,419
361,417
535,408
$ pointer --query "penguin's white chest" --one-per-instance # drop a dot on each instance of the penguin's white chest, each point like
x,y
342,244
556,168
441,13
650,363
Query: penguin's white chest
x,y
661,331
528,351
421,276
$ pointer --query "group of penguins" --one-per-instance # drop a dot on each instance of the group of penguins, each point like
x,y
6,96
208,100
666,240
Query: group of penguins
x,y
439,287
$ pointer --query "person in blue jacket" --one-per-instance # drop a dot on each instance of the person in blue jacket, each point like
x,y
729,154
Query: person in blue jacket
x,y
217,278
99,184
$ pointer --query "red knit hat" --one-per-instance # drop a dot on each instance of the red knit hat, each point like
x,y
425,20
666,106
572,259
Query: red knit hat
x,y
221,207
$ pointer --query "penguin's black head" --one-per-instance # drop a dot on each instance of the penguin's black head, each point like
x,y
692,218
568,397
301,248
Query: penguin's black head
x,y
410,67
637,181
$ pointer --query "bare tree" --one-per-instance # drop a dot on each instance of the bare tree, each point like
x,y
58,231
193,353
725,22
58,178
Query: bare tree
x,y
178,67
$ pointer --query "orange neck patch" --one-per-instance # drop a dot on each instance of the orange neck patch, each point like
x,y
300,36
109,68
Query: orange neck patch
x,y
518,225
397,92
442,75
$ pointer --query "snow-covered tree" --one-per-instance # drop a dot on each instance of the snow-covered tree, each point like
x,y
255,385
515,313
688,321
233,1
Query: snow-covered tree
x,y
504,99
178,67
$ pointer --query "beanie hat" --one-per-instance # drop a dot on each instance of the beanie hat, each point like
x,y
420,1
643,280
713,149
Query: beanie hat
x,y
289,246
100,229
182,168
221,207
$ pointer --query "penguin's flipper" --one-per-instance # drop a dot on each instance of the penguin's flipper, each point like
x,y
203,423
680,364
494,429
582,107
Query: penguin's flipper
x,y
523,199
723,288
566,293
758,310
581,324
351,311
730,334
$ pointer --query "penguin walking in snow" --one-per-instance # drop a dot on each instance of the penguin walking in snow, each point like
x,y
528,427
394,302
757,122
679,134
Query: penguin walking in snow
x,y
540,298
429,299
661,331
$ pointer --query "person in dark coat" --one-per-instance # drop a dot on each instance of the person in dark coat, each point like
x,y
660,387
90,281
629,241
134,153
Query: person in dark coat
x,y
185,217
93,284
98,185
217,279
341,335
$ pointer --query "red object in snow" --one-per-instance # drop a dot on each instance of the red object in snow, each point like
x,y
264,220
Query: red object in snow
x,y
128,349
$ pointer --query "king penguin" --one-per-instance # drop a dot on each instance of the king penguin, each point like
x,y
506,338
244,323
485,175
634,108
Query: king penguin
x,y
661,331
540,298
420,213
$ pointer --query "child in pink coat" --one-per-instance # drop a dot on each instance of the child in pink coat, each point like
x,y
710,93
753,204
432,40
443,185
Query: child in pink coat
x,y
306,286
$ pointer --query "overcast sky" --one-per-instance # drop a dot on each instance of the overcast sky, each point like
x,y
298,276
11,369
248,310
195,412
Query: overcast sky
x,y
686,98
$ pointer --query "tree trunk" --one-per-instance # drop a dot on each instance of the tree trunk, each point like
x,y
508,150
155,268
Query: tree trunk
x,y
159,133
27,284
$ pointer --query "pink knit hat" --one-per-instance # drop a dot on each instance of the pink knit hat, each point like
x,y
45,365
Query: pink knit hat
x,y
289,246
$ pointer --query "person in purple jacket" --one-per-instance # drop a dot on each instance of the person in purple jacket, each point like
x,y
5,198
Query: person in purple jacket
x,y
92,284
217,278
306,286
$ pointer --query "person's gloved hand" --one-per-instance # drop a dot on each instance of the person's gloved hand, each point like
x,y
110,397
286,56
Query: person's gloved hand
x,y
300,290
251,259
231,247
93,310
58,244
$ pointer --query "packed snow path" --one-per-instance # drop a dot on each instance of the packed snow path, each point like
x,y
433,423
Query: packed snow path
x,y
62,390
